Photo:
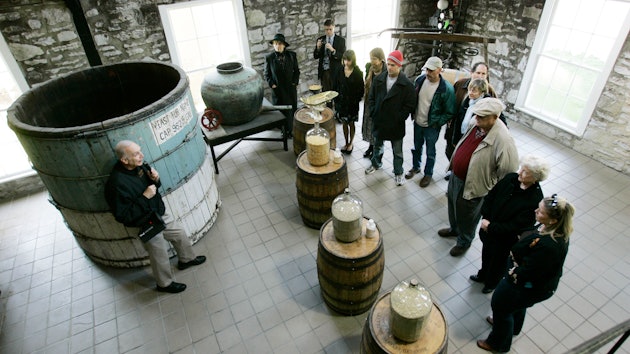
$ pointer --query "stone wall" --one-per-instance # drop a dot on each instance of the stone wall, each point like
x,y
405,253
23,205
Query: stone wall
x,y
43,39
126,30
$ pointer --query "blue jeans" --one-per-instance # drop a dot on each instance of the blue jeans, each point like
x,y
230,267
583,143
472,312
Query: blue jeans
x,y
377,155
509,303
422,135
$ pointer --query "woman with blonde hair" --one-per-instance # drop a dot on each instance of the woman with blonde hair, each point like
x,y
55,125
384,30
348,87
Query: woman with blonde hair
x,y
372,69
535,268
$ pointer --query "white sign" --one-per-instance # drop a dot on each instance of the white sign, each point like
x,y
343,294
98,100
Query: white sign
x,y
171,123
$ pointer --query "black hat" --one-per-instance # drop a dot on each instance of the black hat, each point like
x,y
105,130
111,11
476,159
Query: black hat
x,y
280,38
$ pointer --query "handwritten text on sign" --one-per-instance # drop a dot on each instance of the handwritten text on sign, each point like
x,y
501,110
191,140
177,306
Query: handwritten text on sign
x,y
171,123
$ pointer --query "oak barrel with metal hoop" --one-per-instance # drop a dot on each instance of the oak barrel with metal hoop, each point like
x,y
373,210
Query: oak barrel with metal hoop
x,y
378,338
317,187
350,273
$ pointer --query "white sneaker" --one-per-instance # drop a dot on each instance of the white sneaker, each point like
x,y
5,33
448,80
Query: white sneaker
x,y
399,180
370,170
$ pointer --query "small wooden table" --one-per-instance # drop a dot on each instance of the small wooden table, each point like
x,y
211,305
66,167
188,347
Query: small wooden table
x,y
266,120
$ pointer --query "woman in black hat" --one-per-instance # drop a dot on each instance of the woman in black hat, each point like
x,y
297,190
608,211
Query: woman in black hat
x,y
282,74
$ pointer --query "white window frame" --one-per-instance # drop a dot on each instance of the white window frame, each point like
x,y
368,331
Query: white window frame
x,y
363,56
598,87
240,26
17,75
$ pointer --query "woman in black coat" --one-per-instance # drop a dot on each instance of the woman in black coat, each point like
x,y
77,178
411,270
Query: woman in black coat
x,y
349,86
535,268
507,210
282,75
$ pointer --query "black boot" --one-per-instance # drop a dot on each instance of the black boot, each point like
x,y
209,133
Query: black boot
x,y
368,153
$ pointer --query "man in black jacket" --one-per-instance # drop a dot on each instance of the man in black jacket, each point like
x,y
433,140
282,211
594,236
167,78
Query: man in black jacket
x,y
391,100
132,194
329,49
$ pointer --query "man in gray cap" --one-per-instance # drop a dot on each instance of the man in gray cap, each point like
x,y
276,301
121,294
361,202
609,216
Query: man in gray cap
x,y
484,155
435,105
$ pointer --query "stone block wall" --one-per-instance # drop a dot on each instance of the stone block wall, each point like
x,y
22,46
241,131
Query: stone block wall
x,y
126,30
43,38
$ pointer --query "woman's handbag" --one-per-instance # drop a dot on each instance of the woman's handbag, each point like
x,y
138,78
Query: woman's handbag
x,y
153,226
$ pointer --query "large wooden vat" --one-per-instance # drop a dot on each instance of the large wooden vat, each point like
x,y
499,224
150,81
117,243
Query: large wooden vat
x,y
70,125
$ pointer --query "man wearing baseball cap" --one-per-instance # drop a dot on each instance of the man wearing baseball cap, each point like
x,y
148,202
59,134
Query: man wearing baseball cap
x,y
390,101
435,106
483,156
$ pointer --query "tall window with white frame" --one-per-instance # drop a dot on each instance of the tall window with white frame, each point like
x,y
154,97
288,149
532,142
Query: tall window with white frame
x,y
203,34
576,46
367,20
15,162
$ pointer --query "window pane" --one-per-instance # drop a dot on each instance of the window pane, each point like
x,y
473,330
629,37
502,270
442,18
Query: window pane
x,y
577,40
368,18
583,84
572,111
206,34
597,52
556,41
565,13
182,20
588,14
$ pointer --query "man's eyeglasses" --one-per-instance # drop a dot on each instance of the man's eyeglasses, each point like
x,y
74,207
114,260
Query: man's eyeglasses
x,y
554,201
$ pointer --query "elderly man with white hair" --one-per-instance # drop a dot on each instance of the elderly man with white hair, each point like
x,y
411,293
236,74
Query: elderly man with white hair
x,y
483,156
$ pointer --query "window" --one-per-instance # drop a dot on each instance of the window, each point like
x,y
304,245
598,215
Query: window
x,y
367,19
12,84
576,46
203,34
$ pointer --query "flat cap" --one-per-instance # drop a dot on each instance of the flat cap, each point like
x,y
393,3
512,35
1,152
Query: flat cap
x,y
488,106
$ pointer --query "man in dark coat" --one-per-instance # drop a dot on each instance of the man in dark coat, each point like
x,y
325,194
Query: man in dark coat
x,y
283,74
391,101
329,49
133,197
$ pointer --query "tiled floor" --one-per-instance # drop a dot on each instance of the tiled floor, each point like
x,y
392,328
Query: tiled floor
x,y
259,291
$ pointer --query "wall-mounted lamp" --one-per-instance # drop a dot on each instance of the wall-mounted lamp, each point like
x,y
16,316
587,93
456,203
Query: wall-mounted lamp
x,y
442,4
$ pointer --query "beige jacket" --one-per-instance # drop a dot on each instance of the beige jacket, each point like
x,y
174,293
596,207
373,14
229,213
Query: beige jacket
x,y
495,157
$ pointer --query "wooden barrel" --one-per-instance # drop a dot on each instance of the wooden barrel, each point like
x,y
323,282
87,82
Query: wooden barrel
x,y
70,125
378,339
303,122
350,273
452,75
317,187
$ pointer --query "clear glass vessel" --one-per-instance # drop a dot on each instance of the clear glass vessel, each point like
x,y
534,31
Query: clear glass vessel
x,y
411,305
318,144
347,214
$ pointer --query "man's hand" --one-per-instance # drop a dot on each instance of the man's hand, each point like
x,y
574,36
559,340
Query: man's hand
x,y
150,191
484,225
154,175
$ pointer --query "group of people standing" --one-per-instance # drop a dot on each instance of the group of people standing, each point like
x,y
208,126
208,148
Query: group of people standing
x,y
337,70
525,236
